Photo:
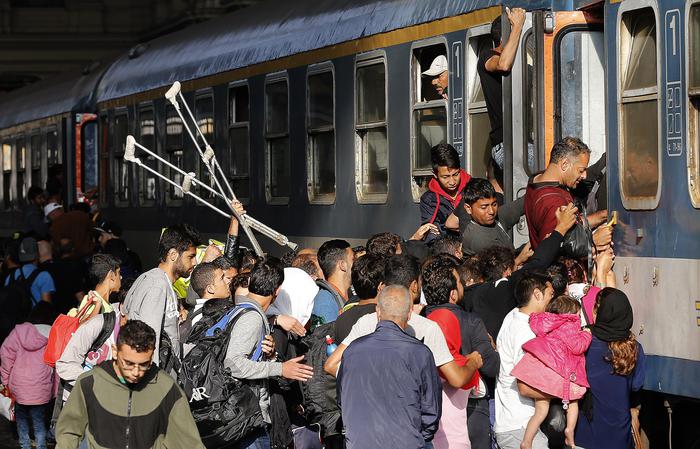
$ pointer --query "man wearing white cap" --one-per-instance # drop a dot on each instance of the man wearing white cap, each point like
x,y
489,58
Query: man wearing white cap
x,y
53,211
438,70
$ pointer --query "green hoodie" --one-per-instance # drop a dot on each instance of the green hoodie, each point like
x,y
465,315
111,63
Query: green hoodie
x,y
151,414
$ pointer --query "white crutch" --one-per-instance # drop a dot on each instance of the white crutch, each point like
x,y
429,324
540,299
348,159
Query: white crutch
x,y
209,159
189,179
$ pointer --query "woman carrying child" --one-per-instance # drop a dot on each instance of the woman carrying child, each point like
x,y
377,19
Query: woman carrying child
x,y
554,364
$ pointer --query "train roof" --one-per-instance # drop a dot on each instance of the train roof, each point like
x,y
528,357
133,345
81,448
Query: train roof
x,y
65,92
273,30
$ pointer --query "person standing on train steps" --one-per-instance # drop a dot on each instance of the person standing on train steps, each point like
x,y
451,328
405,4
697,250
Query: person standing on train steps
x,y
493,65
152,299
444,190
550,190
441,76
336,259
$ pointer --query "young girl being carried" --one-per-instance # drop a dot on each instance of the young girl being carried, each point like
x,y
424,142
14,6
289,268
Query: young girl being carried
x,y
554,364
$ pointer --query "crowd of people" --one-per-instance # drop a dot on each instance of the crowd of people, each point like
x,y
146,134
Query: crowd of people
x,y
452,338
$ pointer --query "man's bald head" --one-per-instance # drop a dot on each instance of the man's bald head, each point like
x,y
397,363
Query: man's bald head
x,y
394,304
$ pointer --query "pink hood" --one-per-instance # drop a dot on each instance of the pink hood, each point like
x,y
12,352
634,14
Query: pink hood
x,y
560,343
22,366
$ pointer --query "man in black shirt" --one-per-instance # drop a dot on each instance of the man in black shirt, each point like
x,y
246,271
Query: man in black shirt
x,y
493,65
367,279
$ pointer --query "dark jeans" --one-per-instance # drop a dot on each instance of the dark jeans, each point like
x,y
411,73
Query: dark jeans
x,y
33,415
256,440
478,423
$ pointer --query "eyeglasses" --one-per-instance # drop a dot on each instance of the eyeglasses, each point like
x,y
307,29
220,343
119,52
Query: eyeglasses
x,y
130,366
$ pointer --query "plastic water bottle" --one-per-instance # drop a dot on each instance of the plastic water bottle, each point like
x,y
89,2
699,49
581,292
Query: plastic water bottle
x,y
331,347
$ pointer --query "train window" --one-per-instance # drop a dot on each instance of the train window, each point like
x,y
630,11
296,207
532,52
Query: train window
x,y
478,125
581,98
7,174
204,114
21,168
239,140
90,159
53,154
147,136
694,103
372,149
429,109
121,168
277,160
174,151
103,176
640,164
35,145
320,129
530,106
694,29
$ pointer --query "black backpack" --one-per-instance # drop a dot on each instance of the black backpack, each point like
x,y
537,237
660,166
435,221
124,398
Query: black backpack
x,y
319,392
16,301
224,408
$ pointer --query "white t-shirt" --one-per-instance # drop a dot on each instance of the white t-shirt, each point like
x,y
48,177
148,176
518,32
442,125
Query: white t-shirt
x,y
422,328
512,410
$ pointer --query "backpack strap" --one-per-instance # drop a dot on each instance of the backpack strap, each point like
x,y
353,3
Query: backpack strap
x,y
29,281
437,208
339,300
229,318
107,329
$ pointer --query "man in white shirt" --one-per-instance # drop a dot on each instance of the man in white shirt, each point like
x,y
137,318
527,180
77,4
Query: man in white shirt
x,y
424,330
513,410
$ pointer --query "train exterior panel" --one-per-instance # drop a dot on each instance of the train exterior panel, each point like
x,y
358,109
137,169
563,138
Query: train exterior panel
x,y
657,238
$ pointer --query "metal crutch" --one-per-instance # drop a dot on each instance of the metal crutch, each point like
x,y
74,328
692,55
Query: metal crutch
x,y
189,180
207,157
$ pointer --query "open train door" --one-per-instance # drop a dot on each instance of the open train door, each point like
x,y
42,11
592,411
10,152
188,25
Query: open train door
x,y
556,88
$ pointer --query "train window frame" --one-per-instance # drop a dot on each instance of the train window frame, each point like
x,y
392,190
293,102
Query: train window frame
x,y
424,174
59,158
364,60
693,108
474,108
311,174
172,198
20,170
35,134
104,175
233,124
537,110
632,96
118,157
201,171
145,158
559,41
7,177
271,137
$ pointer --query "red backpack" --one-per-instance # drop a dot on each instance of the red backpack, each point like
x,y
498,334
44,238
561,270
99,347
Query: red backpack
x,y
63,329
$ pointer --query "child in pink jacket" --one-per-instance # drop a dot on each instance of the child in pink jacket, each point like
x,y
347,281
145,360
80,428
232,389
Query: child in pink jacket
x,y
30,380
554,363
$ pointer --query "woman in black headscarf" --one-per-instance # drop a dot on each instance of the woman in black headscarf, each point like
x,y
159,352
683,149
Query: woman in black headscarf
x,y
615,369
